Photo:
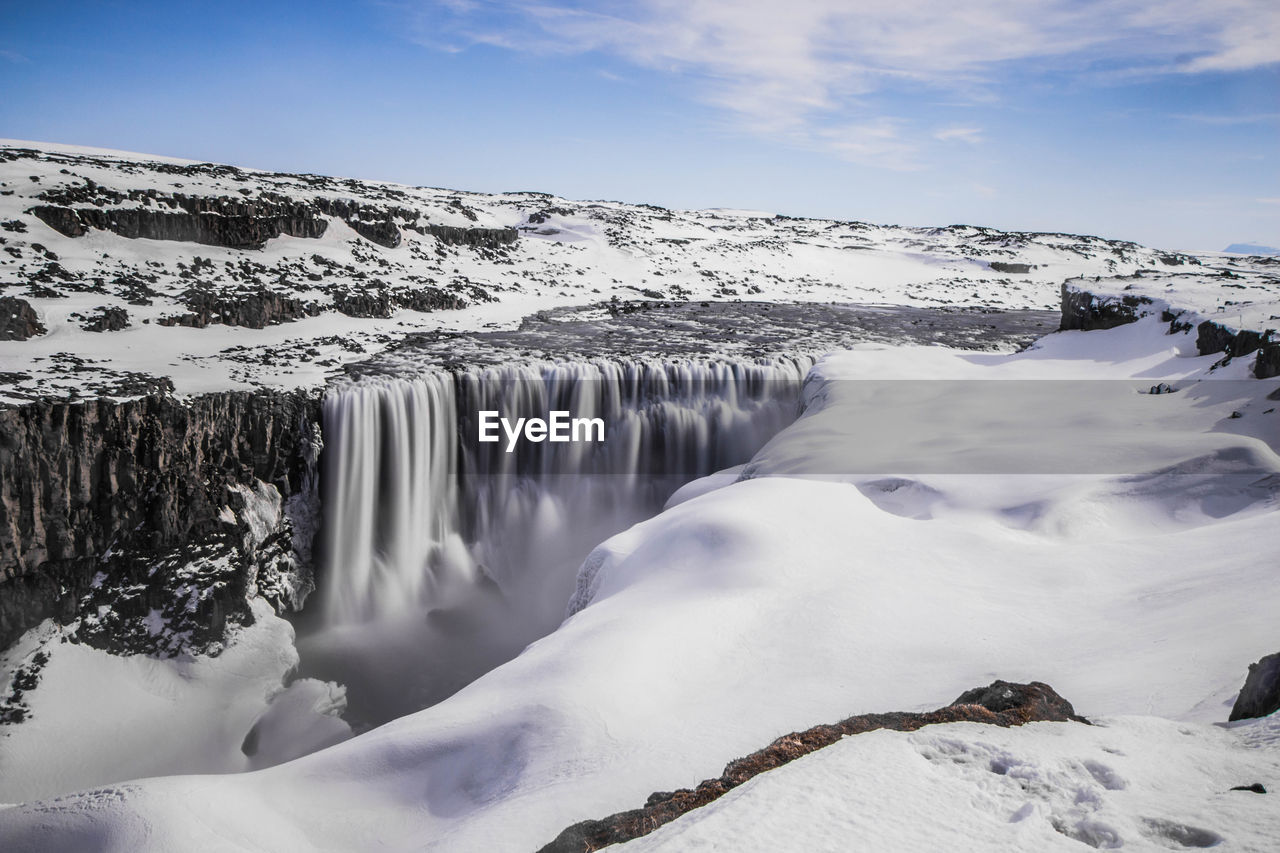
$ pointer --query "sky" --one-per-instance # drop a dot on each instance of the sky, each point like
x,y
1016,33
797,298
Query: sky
x,y
1150,120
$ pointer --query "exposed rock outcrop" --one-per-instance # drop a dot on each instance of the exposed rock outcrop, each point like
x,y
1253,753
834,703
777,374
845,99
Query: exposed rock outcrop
x,y
99,480
253,310
237,223
1001,704
210,228
1268,362
18,320
1016,269
1212,338
490,238
1260,695
1084,311
110,318
383,302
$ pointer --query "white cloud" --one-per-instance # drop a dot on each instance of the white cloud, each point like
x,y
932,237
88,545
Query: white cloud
x,y
971,135
1268,200
1251,118
879,142
803,68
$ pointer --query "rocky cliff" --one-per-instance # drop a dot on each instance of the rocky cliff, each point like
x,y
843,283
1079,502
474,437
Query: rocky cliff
x,y
90,490
1084,310
239,224
1087,311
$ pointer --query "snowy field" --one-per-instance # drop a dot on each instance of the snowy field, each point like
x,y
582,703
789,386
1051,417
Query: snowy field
x,y
822,581
568,253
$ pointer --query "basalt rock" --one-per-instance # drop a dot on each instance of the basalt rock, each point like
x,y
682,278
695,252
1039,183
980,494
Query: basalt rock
x,y
1017,269
490,238
384,232
1212,338
18,320
246,224
1260,696
83,481
1085,311
383,302
252,310
1001,703
110,318
1268,363
64,220
210,228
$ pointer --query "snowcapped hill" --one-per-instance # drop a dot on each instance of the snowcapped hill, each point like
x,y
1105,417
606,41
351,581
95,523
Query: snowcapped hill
x,y
123,273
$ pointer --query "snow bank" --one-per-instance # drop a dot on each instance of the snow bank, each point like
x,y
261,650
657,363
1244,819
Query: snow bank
x,y
99,717
780,601
1134,782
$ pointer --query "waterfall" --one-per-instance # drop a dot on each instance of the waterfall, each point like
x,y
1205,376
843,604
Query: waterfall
x,y
389,494
418,511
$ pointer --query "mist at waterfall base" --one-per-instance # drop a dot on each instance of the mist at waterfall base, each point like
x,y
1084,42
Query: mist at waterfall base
x,y
442,557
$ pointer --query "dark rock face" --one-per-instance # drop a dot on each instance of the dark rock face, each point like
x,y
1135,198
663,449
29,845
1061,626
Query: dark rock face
x,y
244,224
1017,269
207,227
138,478
64,220
384,232
1260,696
109,318
1212,338
383,302
1084,311
490,238
18,320
1001,704
252,310
1268,363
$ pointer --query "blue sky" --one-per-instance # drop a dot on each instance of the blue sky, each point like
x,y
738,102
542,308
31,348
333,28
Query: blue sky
x,y
1152,121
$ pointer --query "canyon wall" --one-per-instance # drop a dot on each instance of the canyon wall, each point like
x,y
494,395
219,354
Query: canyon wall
x,y
87,485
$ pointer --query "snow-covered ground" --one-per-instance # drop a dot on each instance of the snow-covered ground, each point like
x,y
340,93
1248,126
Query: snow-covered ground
x,y
1140,783
568,253
98,717
820,583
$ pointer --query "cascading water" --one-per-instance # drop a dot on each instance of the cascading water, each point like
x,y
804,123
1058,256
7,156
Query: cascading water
x,y
457,552
390,494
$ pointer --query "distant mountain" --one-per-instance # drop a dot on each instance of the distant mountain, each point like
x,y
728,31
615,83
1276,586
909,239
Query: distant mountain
x,y
1251,249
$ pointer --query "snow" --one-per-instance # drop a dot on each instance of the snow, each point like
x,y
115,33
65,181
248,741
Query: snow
x,y
98,717
936,520
1140,783
578,253
797,595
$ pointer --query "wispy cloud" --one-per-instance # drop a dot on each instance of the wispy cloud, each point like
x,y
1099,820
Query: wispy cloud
x,y
879,141
971,135
805,69
1248,118
1268,200
12,56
